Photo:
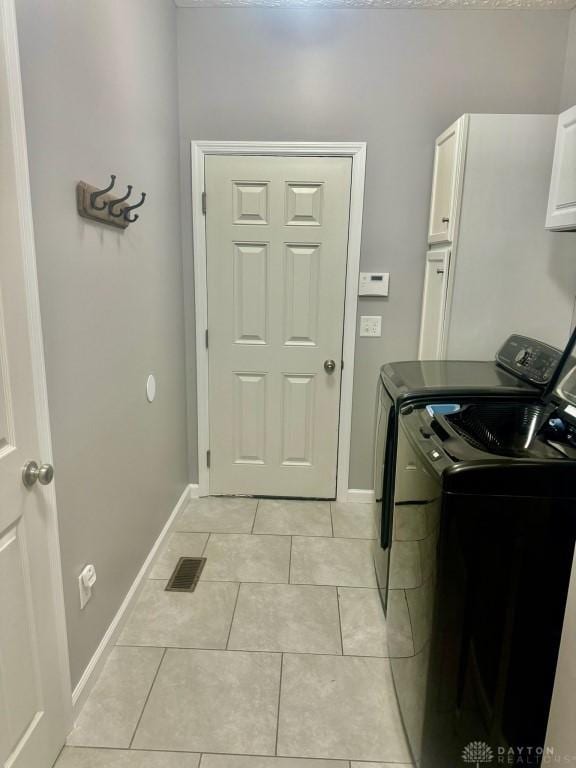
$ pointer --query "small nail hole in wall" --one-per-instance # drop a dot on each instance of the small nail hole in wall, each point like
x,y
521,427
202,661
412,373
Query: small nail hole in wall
x,y
150,388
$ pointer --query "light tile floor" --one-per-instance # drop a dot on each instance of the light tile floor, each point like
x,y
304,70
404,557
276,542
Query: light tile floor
x,y
277,660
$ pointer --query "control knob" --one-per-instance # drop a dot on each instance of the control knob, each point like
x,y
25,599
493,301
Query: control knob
x,y
523,357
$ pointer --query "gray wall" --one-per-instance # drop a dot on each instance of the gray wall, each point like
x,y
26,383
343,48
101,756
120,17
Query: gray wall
x,y
569,83
394,78
507,264
100,97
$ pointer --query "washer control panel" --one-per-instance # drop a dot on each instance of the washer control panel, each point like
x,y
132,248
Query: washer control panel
x,y
528,359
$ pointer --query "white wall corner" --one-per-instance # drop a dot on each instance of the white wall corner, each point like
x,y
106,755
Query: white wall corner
x,y
92,671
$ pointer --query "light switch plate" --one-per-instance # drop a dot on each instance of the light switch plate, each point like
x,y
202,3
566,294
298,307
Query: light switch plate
x,y
370,325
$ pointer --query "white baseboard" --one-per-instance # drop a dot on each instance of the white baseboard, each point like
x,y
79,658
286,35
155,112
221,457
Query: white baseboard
x,y
194,490
360,496
90,675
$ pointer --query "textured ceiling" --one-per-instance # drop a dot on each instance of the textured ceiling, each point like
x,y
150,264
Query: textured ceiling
x,y
439,4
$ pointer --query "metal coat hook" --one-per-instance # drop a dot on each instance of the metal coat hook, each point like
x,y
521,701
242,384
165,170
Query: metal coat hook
x,y
119,200
129,208
104,207
100,192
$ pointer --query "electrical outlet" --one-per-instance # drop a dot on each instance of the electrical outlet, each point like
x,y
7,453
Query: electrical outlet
x,y
86,581
370,325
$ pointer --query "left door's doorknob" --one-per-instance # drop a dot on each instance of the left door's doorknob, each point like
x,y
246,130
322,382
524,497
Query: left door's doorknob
x,y
31,473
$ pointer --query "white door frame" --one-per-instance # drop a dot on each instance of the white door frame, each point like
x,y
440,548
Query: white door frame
x,y
356,150
23,196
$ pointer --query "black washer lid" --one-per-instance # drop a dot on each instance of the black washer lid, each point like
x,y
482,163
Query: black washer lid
x,y
433,379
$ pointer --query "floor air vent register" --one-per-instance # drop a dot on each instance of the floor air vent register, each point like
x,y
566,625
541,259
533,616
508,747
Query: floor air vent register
x,y
186,574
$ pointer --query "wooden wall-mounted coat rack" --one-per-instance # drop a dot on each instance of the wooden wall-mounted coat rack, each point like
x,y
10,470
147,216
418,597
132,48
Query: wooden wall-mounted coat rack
x,y
100,205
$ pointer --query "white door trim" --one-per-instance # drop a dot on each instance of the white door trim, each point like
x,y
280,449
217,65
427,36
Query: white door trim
x,y
353,149
23,196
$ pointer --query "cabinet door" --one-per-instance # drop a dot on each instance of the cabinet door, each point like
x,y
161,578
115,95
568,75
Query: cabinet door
x,y
434,305
562,200
446,182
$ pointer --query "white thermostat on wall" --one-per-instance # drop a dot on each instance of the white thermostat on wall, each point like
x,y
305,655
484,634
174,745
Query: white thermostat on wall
x,y
374,283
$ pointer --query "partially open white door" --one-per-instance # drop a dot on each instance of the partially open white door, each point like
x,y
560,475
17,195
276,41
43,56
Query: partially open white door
x,y
33,704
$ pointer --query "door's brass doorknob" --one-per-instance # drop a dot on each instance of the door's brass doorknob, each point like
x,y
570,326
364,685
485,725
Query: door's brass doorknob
x,y
329,366
31,473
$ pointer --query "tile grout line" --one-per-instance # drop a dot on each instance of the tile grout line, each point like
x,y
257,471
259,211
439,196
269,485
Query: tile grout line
x,y
237,581
268,651
205,545
331,520
279,700
147,698
284,583
405,596
340,619
255,516
290,561
344,760
270,533
233,615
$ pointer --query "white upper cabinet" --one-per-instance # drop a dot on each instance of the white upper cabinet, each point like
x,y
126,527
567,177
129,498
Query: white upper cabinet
x,y
446,182
562,200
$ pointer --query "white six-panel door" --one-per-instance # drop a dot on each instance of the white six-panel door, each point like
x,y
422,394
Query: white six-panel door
x,y
277,234
33,710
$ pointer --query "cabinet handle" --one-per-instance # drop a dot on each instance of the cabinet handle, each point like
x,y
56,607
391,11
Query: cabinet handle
x,y
445,220
439,271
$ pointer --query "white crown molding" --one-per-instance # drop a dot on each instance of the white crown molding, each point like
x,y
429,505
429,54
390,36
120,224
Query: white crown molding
x,y
443,5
